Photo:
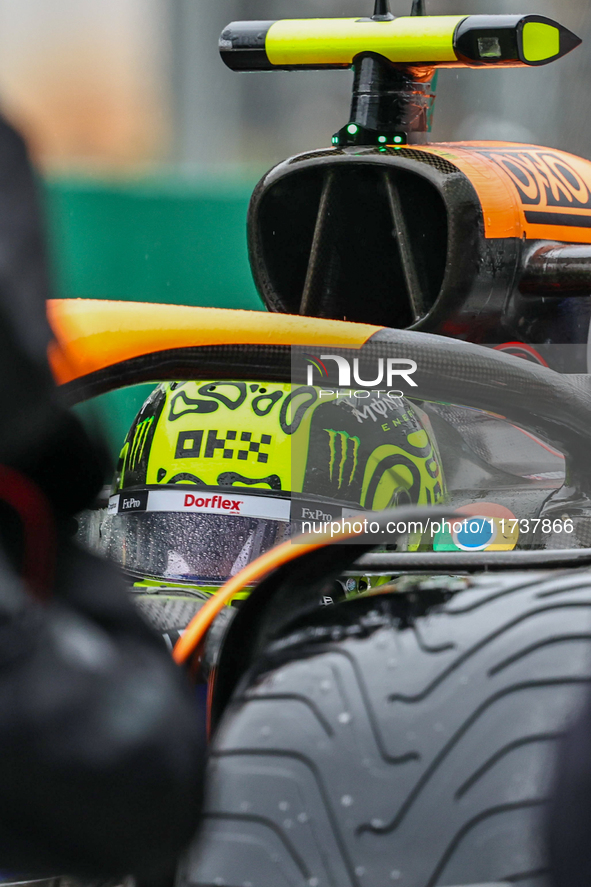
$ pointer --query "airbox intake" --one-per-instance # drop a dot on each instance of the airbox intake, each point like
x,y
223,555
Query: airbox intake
x,y
385,236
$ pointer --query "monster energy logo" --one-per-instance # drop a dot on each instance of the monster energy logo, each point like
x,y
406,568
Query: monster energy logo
x,y
344,440
139,442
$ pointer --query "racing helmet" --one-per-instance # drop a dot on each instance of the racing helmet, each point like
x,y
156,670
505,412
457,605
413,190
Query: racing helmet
x,y
213,474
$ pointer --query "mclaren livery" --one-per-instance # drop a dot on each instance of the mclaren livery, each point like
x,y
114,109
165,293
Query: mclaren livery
x,y
405,735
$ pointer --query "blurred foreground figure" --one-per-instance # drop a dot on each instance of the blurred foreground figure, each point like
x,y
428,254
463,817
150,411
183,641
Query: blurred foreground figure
x,y
101,750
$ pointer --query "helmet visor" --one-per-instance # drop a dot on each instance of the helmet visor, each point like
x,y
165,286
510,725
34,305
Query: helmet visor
x,y
190,535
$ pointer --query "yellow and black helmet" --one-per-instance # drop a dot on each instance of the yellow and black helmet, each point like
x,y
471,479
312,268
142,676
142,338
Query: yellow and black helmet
x,y
212,474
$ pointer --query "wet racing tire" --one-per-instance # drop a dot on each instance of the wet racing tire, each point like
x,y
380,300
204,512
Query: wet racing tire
x,y
398,742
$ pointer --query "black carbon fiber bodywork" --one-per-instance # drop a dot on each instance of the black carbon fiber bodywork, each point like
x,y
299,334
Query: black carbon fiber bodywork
x,y
553,406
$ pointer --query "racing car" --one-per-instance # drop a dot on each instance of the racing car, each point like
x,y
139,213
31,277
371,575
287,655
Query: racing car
x,y
405,735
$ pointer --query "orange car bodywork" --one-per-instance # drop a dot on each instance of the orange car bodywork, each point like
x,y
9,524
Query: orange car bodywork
x,y
526,191
92,335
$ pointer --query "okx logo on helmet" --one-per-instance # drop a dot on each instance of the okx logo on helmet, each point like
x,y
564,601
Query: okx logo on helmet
x,y
212,474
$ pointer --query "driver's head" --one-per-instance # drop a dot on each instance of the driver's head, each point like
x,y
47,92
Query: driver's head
x,y
212,474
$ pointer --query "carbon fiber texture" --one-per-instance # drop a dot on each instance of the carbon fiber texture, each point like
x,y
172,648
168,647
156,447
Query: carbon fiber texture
x,y
428,157
549,405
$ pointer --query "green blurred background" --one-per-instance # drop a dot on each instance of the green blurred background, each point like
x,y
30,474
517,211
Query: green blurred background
x,y
175,239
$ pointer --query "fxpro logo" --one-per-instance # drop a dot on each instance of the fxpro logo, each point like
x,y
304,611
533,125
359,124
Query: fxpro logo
x,y
387,372
315,514
131,503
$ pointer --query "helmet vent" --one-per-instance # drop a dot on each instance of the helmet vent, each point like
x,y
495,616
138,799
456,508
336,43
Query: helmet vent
x,y
361,243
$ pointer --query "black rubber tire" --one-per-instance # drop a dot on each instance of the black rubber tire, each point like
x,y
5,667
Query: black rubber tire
x,y
387,753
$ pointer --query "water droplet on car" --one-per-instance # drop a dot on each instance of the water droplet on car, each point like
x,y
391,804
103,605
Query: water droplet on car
x,y
344,717
346,800
283,805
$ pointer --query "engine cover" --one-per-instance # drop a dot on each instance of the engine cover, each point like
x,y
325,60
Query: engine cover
x,y
443,238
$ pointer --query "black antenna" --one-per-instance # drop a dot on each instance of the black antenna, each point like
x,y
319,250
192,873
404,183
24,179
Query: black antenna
x,y
382,12
418,7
